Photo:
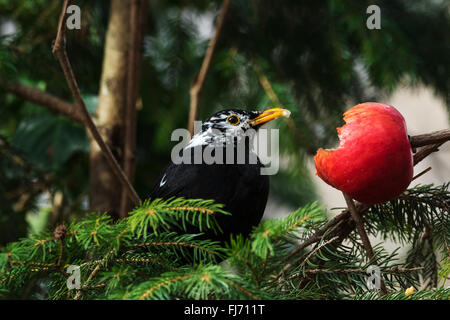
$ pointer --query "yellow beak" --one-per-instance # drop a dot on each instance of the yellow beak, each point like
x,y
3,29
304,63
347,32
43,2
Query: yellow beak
x,y
269,115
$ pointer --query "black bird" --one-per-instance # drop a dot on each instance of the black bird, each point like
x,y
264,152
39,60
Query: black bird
x,y
240,187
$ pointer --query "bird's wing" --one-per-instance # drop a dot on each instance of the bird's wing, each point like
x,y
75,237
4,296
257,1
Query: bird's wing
x,y
165,190
194,182
241,189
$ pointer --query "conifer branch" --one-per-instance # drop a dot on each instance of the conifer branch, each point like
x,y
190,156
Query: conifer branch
x,y
353,270
91,276
317,236
97,286
263,268
147,293
174,243
34,264
243,290
313,252
130,261
117,260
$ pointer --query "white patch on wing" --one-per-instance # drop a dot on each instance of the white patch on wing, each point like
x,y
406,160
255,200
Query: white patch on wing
x,y
163,181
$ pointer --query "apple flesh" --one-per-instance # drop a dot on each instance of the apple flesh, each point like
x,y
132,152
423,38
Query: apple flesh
x,y
374,160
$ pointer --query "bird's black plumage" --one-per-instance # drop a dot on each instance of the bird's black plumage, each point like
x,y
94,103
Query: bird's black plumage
x,y
241,188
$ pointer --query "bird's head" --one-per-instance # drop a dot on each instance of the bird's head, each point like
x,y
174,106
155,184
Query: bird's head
x,y
234,123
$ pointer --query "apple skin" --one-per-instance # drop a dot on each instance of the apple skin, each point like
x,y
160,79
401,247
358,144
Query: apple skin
x,y
374,160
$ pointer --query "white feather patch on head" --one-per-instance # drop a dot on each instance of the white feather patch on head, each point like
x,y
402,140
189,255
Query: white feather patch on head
x,y
200,139
218,131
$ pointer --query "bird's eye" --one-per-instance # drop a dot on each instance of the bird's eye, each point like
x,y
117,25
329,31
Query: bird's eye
x,y
233,120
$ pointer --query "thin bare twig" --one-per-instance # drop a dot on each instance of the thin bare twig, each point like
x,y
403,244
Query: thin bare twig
x,y
359,226
59,44
426,151
44,99
60,51
357,217
430,143
197,85
421,173
436,137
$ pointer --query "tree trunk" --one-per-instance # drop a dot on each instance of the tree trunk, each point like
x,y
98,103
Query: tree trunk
x,y
105,189
138,10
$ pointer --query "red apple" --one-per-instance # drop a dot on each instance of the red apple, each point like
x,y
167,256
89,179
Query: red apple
x,y
374,160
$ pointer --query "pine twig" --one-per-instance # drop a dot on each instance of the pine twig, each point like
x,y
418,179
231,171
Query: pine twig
x,y
354,270
174,243
319,234
91,276
59,50
243,290
148,292
97,286
263,268
199,80
313,252
429,238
